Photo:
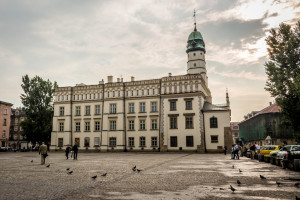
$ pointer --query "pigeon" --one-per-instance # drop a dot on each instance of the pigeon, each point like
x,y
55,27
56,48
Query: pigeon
x,y
68,169
70,172
262,177
48,165
239,182
104,174
134,168
138,170
240,171
297,184
31,161
94,177
278,183
232,166
232,188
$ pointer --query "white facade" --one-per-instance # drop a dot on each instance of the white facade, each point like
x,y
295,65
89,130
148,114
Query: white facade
x,y
166,114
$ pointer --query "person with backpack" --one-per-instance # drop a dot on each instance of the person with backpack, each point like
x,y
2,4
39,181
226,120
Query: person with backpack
x,y
236,151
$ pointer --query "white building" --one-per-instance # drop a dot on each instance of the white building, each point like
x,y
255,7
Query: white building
x,y
173,113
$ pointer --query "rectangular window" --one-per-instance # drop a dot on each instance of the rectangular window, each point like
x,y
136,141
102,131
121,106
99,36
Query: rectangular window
x,y
153,91
3,134
112,141
87,110
137,93
97,109
16,120
132,93
189,122
131,107
5,111
142,141
77,110
113,93
173,105
131,141
97,126
61,126
77,126
148,92
213,122
189,141
16,128
61,111
131,124
142,92
214,139
96,142
173,122
126,93
154,124
119,93
86,142
87,126
60,142
142,125
153,141
4,122
153,106
113,125
142,107
188,105
113,108
173,140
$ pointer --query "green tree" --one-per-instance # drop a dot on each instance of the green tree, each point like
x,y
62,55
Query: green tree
x,y
283,70
38,105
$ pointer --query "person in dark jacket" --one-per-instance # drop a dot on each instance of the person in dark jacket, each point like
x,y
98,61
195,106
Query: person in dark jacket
x,y
225,150
67,152
75,149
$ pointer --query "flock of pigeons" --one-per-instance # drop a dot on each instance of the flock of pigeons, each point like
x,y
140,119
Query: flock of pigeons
x,y
232,188
262,178
94,177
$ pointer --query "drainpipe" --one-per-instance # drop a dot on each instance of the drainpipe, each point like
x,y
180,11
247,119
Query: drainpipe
x,y
102,114
204,132
71,116
124,118
159,115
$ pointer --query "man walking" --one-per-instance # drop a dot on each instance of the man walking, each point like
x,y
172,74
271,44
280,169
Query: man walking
x,y
67,152
75,149
236,151
43,153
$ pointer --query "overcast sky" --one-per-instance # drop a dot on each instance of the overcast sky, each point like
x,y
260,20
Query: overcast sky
x,y
75,41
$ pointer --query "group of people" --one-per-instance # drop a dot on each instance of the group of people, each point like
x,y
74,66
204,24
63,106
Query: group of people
x,y
43,151
73,151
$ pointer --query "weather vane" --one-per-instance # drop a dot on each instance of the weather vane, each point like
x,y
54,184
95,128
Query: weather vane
x,y
195,19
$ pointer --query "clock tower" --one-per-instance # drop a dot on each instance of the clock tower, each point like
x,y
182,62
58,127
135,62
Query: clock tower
x,y
196,54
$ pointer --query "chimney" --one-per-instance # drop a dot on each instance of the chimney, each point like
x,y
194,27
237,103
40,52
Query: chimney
x,y
270,103
170,74
109,79
101,82
132,78
118,80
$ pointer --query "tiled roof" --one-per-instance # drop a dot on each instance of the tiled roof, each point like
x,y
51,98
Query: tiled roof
x,y
6,103
274,108
209,107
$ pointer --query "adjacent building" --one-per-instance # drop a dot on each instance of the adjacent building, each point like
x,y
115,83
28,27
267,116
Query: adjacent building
x,y
257,125
5,113
172,113
16,139
234,127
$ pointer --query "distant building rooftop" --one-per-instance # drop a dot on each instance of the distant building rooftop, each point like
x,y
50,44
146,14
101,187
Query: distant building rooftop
x,y
208,107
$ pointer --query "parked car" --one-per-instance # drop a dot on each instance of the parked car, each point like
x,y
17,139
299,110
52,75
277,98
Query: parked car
x,y
294,149
267,149
3,149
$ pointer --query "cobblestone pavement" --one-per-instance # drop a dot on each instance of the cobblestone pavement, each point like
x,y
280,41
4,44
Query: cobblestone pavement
x,y
163,176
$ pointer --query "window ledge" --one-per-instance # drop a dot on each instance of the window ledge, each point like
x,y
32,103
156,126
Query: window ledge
x,y
87,131
130,130
142,129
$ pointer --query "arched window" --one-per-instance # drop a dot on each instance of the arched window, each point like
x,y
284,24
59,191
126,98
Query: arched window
x,y
213,122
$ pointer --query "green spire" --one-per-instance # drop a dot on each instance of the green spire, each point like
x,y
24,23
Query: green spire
x,y
195,41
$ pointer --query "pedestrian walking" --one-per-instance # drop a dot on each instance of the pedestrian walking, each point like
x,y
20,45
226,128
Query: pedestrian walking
x,y
232,150
236,151
225,150
252,150
67,152
43,153
75,149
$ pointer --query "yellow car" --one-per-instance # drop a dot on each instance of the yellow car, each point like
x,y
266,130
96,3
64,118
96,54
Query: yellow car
x,y
265,150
